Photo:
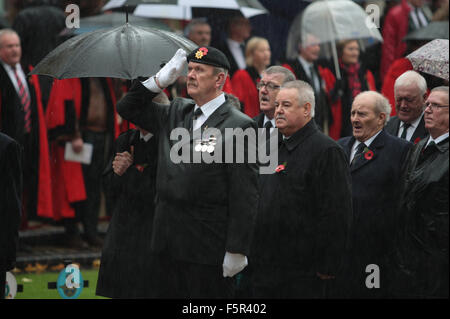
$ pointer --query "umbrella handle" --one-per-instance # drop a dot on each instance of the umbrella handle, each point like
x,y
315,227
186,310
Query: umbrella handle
x,y
336,62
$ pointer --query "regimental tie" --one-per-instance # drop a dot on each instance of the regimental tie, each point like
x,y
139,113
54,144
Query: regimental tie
x,y
405,130
198,112
267,127
25,101
358,155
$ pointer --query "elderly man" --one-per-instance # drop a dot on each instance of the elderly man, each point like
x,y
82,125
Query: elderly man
x,y
22,118
410,90
306,68
204,214
305,209
268,88
423,244
376,160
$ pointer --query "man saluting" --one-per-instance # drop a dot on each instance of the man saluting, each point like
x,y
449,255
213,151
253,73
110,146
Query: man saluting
x,y
204,213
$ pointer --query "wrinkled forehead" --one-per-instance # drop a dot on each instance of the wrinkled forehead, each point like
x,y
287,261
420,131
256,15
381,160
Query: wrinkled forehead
x,y
438,97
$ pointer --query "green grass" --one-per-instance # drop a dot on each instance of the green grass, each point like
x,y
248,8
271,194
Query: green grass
x,y
38,287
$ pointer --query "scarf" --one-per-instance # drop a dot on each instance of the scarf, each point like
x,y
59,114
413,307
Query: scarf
x,y
352,71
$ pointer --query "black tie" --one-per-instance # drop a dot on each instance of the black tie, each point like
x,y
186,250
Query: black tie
x,y
268,126
358,154
405,130
313,79
198,112
427,151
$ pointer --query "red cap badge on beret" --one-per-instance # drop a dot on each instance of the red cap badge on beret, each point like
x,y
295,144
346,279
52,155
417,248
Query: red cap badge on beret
x,y
201,53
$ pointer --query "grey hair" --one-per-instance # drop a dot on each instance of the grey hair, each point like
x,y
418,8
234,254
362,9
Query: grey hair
x,y
305,93
194,22
411,78
5,32
218,70
381,103
277,69
440,89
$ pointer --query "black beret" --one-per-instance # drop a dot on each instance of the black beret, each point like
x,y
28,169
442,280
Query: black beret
x,y
209,55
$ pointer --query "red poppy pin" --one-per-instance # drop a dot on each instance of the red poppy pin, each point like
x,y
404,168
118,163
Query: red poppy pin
x,y
417,140
280,167
140,168
368,154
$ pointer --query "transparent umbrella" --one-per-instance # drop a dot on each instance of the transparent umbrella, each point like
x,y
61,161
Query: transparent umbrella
x,y
330,21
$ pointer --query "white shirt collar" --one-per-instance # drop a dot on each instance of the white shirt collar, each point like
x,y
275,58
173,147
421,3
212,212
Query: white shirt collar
x,y
10,71
145,137
438,139
208,109
266,119
368,141
414,123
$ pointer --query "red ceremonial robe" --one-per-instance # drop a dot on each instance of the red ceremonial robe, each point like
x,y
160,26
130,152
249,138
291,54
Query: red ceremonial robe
x,y
397,68
244,87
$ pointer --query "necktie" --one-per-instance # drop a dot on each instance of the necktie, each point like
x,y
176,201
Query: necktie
x,y
405,130
25,101
268,126
427,151
313,79
420,21
198,112
242,46
358,154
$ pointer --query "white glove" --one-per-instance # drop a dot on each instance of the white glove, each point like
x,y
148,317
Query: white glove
x,y
233,264
168,74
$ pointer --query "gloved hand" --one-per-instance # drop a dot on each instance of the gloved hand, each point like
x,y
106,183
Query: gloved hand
x,y
168,74
233,264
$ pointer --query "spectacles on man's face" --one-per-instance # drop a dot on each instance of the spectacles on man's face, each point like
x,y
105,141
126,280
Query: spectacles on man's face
x,y
434,106
269,86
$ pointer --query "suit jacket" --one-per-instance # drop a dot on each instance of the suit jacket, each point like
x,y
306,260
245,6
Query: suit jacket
x,y
420,133
10,200
375,192
202,210
305,210
423,246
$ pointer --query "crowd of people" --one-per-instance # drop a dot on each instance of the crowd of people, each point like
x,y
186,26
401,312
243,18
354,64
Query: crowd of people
x,y
361,177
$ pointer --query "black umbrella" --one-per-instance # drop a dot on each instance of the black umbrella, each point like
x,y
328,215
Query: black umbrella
x,y
125,52
116,19
434,30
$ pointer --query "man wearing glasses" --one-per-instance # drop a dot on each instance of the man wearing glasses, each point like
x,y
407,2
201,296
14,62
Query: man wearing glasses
x,y
410,91
423,242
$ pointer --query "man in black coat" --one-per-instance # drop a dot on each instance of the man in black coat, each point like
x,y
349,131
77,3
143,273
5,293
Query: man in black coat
x,y
305,208
10,204
306,68
376,161
422,249
410,91
204,214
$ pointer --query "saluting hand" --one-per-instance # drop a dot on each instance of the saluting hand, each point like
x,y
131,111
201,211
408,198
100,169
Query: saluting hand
x,y
122,161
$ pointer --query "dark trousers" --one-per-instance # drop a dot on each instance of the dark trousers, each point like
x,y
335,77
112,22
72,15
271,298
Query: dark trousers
x,y
274,282
88,211
182,280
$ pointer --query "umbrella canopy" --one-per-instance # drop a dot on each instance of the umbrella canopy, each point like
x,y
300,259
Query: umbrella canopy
x,y
125,52
434,30
116,19
182,9
432,58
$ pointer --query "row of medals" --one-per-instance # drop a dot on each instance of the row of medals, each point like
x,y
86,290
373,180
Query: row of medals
x,y
206,145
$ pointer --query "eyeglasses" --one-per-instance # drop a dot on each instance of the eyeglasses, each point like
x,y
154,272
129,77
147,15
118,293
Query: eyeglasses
x,y
269,86
434,106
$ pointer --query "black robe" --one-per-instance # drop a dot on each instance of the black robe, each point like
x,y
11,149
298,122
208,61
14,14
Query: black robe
x,y
126,264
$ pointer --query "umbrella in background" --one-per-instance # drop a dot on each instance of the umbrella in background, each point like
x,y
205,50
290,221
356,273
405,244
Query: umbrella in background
x,y
336,20
183,9
434,30
125,52
432,58
116,19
